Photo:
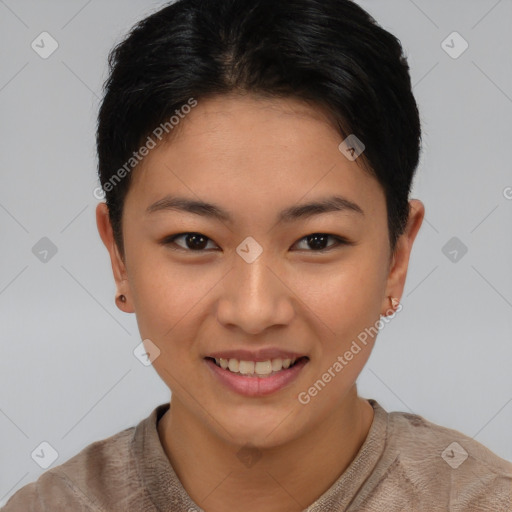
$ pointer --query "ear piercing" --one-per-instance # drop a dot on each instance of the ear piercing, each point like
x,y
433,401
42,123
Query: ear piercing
x,y
394,305
394,302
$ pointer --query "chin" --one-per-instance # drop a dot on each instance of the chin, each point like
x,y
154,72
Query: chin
x,y
257,428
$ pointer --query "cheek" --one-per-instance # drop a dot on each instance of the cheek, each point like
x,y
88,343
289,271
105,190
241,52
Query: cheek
x,y
346,297
167,300
169,297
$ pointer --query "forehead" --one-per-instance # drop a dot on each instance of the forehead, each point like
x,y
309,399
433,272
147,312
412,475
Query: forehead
x,y
254,151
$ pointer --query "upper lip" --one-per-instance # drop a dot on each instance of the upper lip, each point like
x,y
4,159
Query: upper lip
x,y
263,354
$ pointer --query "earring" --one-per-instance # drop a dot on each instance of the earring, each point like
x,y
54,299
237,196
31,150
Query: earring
x,y
394,305
394,302
121,298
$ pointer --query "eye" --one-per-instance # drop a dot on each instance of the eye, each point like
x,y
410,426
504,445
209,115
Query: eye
x,y
193,241
318,241
198,242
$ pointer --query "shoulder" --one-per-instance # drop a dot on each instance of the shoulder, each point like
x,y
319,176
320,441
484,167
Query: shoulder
x,y
449,465
84,482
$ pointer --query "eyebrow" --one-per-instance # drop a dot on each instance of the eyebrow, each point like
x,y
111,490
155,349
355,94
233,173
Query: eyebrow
x,y
290,214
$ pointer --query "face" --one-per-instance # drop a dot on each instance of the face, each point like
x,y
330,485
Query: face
x,y
259,276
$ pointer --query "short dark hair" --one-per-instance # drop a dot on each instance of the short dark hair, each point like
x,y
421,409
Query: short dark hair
x,y
330,53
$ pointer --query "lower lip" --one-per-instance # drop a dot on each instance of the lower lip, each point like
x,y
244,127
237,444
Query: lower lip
x,y
256,386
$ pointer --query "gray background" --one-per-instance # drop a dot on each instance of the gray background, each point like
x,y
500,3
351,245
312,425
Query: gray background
x,y
68,375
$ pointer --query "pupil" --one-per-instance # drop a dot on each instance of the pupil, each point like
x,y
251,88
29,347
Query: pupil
x,y
197,241
317,241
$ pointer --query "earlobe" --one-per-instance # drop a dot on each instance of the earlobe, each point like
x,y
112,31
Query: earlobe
x,y
395,305
121,303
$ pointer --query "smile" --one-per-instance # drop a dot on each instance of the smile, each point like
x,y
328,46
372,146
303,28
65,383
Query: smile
x,y
255,368
256,378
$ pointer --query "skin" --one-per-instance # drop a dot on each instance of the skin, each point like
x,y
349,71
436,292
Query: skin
x,y
254,157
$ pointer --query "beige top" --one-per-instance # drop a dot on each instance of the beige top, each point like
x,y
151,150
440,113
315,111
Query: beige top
x,y
406,464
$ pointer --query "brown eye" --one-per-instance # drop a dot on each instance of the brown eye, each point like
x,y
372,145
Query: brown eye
x,y
317,241
193,241
197,242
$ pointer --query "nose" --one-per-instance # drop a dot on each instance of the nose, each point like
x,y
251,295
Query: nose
x,y
255,296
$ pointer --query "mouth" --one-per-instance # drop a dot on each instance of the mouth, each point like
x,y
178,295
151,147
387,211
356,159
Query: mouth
x,y
261,369
256,378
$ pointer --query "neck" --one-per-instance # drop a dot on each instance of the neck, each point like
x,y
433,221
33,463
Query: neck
x,y
285,478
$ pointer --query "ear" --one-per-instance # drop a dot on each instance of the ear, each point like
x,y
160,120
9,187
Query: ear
x,y
400,258
118,266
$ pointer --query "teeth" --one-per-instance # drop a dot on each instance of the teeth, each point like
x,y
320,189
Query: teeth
x,y
259,368
233,365
277,364
246,367
263,367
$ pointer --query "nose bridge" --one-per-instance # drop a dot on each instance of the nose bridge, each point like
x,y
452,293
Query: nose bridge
x,y
255,278
255,284
255,298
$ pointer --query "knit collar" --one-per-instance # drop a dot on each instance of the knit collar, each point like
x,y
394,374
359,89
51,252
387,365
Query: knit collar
x,y
168,494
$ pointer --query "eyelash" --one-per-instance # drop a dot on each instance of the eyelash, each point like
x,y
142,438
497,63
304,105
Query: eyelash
x,y
340,241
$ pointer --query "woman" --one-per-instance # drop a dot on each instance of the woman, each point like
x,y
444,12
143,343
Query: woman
x,y
257,159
